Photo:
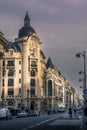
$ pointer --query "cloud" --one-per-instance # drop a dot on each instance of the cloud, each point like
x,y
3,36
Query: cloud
x,y
75,2
61,26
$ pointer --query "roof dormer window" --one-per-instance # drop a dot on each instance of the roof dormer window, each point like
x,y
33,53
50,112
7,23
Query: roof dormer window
x,y
11,53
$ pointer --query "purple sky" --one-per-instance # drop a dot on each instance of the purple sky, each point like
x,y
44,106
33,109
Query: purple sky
x,y
61,26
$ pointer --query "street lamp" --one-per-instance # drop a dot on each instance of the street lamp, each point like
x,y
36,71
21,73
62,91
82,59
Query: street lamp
x,y
78,56
28,98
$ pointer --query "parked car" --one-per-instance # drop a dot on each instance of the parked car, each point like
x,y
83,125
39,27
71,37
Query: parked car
x,y
5,114
22,113
33,113
61,108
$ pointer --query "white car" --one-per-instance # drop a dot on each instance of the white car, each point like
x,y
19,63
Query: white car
x,y
5,114
34,113
22,113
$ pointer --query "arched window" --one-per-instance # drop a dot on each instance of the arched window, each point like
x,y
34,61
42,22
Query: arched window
x,y
10,103
10,73
32,73
33,64
49,87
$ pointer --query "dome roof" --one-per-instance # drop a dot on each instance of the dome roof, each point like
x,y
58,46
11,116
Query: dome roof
x,y
11,45
26,30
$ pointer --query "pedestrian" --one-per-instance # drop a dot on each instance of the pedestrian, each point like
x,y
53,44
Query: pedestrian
x,y
70,112
75,111
85,115
85,111
48,112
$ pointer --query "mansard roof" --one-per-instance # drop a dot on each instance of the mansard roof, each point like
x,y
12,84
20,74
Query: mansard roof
x,y
12,45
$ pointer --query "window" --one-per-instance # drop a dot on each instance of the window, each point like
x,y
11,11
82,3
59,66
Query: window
x,y
11,53
19,90
10,103
32,82
3,72
33,64
49,87
3,63
19,71
10,92
10,63
10,73
19,80
3,82
32,92
19,62
11,82
32,73
2,95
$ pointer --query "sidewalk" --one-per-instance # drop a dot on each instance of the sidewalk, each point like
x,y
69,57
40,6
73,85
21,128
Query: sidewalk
x,y
74,123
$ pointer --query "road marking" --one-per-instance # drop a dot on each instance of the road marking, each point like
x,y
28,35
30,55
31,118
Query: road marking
x,y
42,122
65,123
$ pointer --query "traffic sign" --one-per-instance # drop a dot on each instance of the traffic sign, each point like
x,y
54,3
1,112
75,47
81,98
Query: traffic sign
x,y
85,91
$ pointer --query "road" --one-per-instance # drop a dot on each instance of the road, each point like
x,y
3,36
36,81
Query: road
x,y
59,121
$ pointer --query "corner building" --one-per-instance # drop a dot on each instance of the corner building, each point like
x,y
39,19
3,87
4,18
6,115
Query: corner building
x,y
23,70
26,80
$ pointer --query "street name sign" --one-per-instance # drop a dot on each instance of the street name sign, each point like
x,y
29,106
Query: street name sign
x,y
85,91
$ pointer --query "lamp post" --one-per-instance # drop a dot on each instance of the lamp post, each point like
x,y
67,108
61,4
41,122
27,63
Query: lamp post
x,y
28,98
78,56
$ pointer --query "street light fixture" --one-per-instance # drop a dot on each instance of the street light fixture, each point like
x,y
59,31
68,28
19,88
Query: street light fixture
x,y
78,56
80,80
80,72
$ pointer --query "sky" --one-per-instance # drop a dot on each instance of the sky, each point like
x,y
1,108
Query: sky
x,y
61,26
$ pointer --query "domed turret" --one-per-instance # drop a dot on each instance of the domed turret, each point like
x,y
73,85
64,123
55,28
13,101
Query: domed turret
x,y
49,64
26,30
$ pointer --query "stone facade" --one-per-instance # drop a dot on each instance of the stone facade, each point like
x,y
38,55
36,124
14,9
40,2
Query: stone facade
x,y
27,80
